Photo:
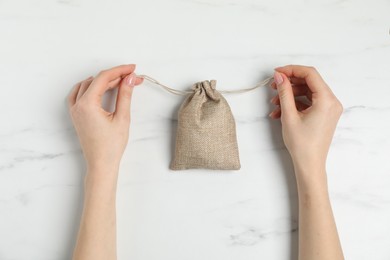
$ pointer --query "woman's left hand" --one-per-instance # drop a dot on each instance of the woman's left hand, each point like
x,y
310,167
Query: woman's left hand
x,y
103,135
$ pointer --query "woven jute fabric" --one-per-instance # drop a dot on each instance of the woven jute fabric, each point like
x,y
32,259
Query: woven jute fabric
x,y
206,131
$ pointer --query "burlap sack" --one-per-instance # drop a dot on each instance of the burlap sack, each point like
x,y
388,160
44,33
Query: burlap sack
x,y
206,132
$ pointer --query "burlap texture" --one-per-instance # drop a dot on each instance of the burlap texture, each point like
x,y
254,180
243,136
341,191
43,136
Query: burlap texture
x,y
206,132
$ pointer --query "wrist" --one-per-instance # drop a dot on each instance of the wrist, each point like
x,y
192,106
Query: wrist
x,y
102,174
310,176
100,186
102,166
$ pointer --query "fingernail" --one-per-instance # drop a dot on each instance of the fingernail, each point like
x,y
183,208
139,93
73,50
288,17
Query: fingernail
x,y
278,78
270,114
130,79
273,100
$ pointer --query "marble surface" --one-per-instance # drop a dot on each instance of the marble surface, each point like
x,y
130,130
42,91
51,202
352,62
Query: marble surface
x,y
47,46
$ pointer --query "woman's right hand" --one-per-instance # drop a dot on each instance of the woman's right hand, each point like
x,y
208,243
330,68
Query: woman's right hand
x,y
307,127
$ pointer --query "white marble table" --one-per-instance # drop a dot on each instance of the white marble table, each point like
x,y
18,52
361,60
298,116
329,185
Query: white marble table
x,y
47,46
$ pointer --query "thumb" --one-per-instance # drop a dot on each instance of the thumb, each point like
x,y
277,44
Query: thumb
x,y
286,96
125,93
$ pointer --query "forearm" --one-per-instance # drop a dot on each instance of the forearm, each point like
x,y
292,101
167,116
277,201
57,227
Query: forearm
x,y
318,237
97,233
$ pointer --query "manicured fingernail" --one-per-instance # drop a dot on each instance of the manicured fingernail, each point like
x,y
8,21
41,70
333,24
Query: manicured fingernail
x,y
273,100
130,79
271,114
140,80
278,78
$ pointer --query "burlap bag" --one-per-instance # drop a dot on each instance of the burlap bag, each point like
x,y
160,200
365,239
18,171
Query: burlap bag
x,y
206,132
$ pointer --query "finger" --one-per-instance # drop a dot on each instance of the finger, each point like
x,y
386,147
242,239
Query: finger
x,y
298,90
83,87
293,81
297,81
115,83
301,106
139,81
286,95
302,90
73,94
100,83
310,74
125,94
275,100
275,113
273,85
